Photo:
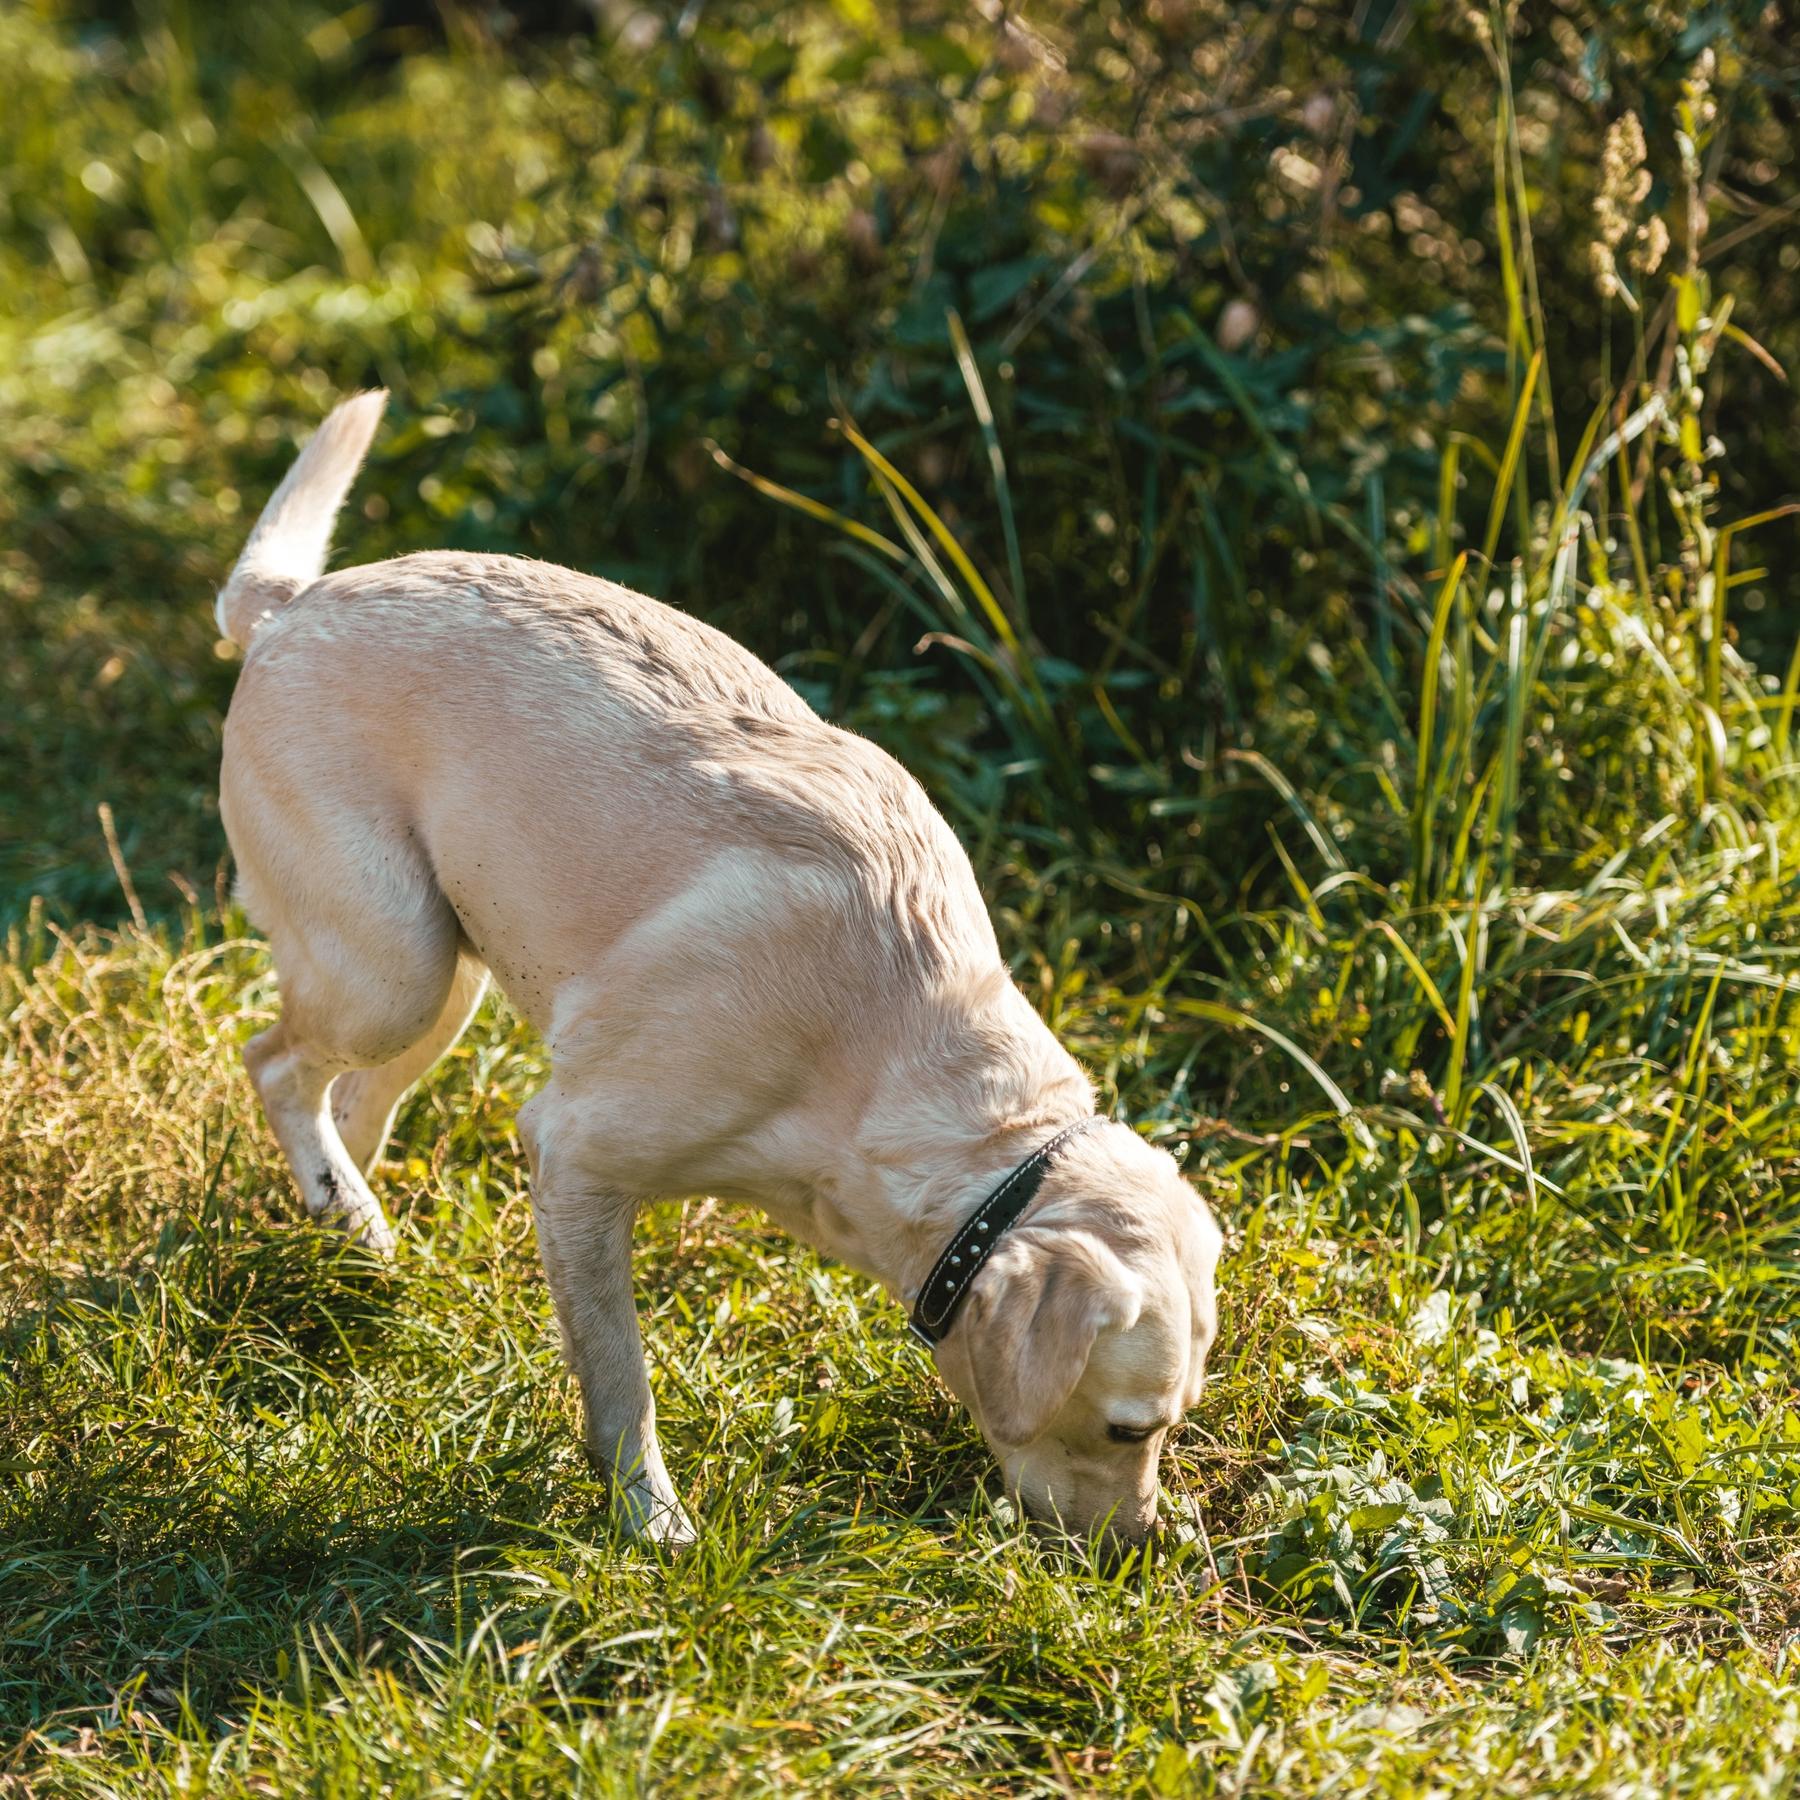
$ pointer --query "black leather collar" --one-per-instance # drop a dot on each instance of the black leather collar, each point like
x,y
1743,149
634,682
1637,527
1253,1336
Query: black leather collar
x,y
947,1286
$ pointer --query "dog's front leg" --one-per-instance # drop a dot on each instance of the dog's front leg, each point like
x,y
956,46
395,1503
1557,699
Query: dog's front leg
x,y
584,1238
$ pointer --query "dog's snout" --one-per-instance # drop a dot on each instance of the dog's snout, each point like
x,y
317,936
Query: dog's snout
x,y
1085,1502
1132,1524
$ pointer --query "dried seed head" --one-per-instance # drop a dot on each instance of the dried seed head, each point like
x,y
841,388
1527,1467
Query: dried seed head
x,y
1624,180
1605,270
1651,246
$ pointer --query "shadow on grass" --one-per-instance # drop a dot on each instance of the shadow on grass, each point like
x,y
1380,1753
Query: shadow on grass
x,y
227,1289
219,1606
199,1466
257,1444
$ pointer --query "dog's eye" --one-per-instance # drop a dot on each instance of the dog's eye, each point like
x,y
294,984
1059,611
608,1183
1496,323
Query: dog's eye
x,y
1131,1434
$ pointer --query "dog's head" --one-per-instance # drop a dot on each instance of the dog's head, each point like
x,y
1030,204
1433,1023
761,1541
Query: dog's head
x,y
1084,1338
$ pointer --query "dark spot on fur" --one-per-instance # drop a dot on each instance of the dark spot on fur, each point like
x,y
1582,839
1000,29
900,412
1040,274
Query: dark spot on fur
x,y
757,725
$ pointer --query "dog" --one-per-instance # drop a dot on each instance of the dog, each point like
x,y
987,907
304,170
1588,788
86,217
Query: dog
x,y
758,957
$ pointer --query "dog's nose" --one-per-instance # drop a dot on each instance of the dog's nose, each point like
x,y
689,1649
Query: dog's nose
x,y
1131,1522
1120,1538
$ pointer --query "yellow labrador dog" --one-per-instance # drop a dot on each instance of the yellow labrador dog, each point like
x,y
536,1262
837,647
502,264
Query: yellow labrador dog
x,y
759,959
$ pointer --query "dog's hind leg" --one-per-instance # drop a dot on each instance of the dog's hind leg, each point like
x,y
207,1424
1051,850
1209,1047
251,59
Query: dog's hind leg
x,y
364,1101
355,993
292,1073
366,948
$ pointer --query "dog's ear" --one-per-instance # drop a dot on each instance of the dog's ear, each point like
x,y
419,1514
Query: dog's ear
x,y
1033,1315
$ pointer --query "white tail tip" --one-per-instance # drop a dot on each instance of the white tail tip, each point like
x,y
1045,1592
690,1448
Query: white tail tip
x,y
289,543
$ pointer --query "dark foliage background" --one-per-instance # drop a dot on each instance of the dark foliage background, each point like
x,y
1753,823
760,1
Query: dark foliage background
x,y
1229,274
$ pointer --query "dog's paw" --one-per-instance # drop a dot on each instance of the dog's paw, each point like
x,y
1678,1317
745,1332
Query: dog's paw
x,y
672,1529
375,1235
366,1225
653,1520
342,1198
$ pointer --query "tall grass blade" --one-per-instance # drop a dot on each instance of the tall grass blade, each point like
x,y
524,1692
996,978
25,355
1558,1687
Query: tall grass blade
x,y
984,595
1424,782
1321,840
990,436
1233,1020
1721,584
1509,463
1518,684
814,509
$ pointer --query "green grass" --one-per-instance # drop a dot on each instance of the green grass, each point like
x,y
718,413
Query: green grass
x,y
1435,893
275,1518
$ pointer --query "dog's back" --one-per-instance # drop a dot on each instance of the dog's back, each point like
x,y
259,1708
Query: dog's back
x,y
560,757
581,787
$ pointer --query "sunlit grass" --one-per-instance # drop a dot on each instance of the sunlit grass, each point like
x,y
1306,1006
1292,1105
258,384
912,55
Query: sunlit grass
x,y
1454,949
276,1511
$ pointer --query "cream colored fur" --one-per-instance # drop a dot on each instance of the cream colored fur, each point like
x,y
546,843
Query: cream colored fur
x,y
758,956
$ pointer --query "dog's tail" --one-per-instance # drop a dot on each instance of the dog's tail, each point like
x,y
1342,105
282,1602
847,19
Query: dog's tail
x,y
286,551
